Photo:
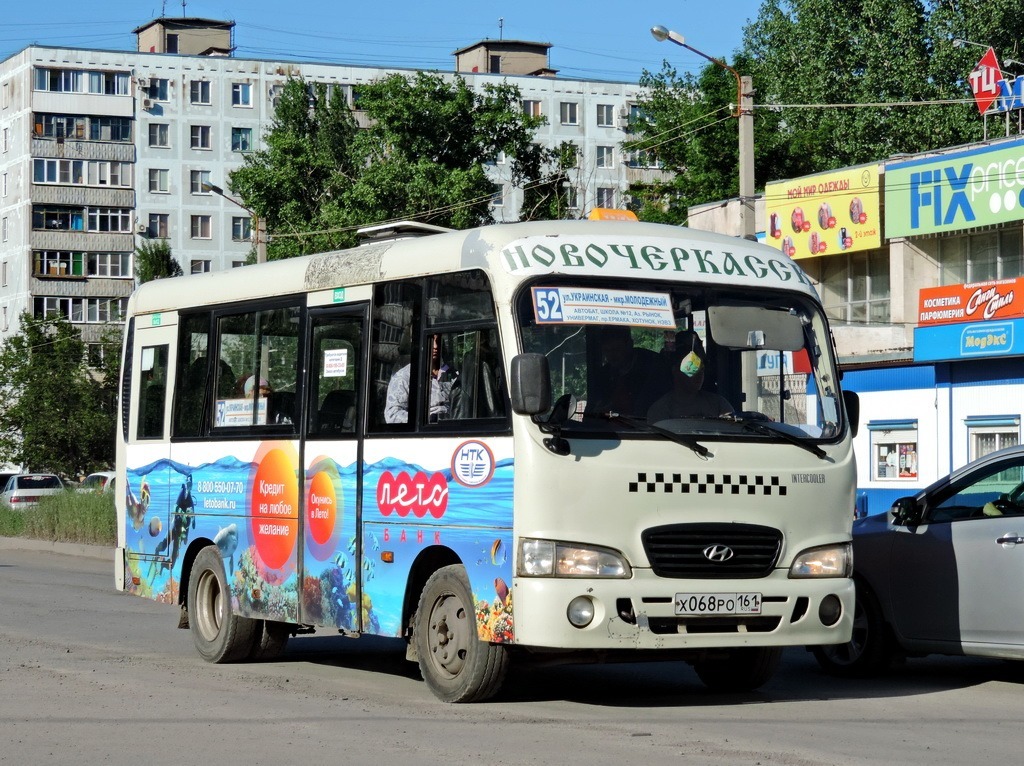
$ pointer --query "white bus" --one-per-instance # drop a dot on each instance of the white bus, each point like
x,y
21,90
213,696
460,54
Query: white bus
x,y
589,440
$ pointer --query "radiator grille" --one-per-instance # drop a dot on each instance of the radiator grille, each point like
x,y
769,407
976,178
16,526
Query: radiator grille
x,y
678,550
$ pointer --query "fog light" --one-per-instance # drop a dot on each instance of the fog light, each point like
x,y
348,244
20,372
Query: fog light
x,y
830,611
580,611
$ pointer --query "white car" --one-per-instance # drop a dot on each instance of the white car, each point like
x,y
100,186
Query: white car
x,y
23,490
99,482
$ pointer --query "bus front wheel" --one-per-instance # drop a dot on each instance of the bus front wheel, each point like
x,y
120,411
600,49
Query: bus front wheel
x,y
219,634
454,662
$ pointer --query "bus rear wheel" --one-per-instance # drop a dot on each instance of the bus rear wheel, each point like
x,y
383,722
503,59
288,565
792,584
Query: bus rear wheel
x,y
219,634
454,662
269,640
739,670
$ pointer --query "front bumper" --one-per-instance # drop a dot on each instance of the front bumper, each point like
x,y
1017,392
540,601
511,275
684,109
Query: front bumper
x,y
638,613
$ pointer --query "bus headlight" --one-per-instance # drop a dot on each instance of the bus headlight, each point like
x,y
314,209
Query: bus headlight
x,y
824,561
548,558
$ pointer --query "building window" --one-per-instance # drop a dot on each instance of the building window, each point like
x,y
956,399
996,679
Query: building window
x,y
494,64
3,274
569,112
200,266
241,228
88,310
5,139
989,434
58,263
160,89
3,231
109,264
605,115
893,449
498,196
200,137
80,172
241,94
57,217
110,129
572,198
172,43
159,134
201,227
7,95
978,257
855,287
531,108
237,264
158,180
605,196
605,157
3,186
199,92
198,180
642,158
112,219
241,139
158,225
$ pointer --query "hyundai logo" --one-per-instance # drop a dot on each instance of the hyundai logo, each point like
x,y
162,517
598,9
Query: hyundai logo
x,y
718,553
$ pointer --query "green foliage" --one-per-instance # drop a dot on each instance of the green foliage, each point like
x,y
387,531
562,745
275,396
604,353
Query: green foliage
x,y
421,156
54,414
153,260
88,519
807,59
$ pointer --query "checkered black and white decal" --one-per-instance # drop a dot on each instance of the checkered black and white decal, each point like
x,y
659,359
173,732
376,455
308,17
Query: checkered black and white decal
x,y
708,484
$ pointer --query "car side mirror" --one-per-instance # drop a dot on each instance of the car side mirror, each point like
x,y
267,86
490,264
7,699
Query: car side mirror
x,y
906,512
852,401
530,384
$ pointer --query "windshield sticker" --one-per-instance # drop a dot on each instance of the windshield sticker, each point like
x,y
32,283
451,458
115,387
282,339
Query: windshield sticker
x,y
572,305
747,263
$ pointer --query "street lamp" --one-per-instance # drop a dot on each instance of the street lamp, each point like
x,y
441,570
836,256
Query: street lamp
x,y
744,112
260,226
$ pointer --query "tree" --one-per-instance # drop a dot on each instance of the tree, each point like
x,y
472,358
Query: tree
x,y
810,60
422,156
54,414
153,260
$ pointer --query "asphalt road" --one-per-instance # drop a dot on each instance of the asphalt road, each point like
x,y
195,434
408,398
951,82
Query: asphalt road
x,y
92,676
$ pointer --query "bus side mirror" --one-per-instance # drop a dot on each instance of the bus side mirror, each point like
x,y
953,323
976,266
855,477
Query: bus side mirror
x,y
852,401
906,512
530,384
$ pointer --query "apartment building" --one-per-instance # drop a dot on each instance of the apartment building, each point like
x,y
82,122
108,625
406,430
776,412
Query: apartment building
x,y
102,149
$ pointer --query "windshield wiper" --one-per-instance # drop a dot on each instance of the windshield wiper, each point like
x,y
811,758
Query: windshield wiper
x,y
765,428
643,425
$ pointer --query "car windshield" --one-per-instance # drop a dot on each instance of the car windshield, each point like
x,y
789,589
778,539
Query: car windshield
x,y
93,481
37,482
709,362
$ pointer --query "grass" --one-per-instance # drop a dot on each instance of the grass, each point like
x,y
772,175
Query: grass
x,y
69,517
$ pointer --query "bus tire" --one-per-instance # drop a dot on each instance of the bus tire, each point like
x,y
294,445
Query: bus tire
x,y
454,662
269,640
739,670
870,649
219,634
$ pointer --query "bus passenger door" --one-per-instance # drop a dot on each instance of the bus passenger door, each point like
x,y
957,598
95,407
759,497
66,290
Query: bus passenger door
x,y
332,454
148,496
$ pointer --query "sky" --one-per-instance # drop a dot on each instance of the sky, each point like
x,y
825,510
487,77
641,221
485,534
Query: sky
x,y
593,40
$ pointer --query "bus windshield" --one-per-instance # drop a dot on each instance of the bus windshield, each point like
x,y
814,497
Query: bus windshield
x,y
690,359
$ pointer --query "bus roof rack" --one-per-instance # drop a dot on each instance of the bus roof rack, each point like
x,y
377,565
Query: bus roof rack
x,y
387,232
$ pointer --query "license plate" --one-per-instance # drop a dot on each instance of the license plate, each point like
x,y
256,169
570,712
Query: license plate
x,y
712,604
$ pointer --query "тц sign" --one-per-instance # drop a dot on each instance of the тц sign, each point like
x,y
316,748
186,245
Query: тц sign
x,y
991,90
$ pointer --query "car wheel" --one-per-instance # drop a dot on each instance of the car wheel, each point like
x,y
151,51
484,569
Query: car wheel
x,y
454,662
219,634
739,670
870,648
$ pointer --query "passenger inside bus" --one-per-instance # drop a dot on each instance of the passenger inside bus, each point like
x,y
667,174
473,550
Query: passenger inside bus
x,y
631,379
396,408
688,397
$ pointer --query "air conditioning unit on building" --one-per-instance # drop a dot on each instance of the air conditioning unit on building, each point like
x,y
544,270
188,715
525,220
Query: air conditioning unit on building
x,y
147,104
143,82
141,228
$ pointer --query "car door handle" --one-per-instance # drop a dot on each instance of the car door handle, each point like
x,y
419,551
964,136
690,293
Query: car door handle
x,y
1010,540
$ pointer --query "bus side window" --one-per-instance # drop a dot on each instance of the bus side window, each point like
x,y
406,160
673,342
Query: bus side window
x,y
152,392
394,361
192,365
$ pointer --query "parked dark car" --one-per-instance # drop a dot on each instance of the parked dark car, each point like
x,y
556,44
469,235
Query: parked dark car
x,y
939,572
